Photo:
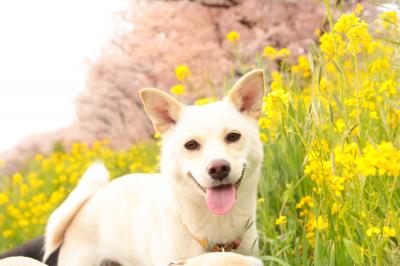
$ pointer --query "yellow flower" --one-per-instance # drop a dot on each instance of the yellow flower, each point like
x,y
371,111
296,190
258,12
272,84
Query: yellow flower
x,y
3,199
381,160
355,31
182,72
233,36
38,157
279,95
277,81
373,115
263,137
302,67
284,52
261,200
340,125
7,233
373,230
330,68
264,122
334,208
317,32
62,178
358,9
346,22
23,223
281,220
157,135
358,38
379,65
203,101
321,223
306,200
178,89
388,18
332,45
17,178
389,86
388,232
270,52
335,183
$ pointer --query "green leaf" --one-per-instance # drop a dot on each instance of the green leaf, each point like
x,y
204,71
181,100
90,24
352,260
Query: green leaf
x,y
297,257
332,255
274,259
305,249
354,251
318,252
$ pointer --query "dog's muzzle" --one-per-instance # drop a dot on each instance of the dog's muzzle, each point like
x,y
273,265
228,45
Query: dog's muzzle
x,y
237,183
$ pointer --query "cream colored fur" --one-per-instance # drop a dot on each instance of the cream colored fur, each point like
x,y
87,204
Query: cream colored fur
x,y
20,261
93,179
220,259
153,219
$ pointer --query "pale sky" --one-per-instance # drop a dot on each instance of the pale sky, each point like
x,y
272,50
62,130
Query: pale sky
x,y
43,45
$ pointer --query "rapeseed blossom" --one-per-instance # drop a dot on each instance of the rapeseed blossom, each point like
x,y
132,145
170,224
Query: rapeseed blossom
x,y
28,197
233,37
281,220
178,89
182,72
388,232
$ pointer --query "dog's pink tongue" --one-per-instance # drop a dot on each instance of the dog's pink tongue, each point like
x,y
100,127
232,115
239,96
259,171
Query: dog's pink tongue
x,y
220,200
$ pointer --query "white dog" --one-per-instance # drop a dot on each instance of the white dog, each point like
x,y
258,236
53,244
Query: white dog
x,y
203,200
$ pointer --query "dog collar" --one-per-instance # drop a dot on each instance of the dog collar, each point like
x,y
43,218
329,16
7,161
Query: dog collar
x,y
210,246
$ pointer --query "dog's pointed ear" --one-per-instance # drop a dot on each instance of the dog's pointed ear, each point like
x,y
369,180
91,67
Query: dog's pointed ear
x,y
163,110
247,93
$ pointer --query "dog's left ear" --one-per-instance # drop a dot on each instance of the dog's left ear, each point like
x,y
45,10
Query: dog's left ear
x,y
247,93
162,109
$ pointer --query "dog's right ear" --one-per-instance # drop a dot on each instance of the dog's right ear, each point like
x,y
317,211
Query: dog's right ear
x,y
162,109
247,93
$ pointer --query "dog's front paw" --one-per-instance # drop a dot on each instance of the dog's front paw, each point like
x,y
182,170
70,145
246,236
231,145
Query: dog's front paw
x,y
219,258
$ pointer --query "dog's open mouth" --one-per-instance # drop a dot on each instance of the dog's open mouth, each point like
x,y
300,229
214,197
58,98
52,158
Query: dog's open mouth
x,y
220,199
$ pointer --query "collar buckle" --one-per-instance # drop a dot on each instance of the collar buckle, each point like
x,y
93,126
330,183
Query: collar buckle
x,y
218,247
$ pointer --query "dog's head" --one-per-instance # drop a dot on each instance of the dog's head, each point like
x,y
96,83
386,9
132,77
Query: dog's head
x,y
215,147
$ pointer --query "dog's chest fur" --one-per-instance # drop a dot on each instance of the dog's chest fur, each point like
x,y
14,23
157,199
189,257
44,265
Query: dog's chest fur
x,y
139,214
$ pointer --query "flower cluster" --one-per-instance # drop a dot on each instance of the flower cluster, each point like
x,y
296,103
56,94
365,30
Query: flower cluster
x,y
28,197
332,143
182,73
271,53
233,37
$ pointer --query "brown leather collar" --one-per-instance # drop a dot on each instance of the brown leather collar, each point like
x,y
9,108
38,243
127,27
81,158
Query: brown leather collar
x,y
210,246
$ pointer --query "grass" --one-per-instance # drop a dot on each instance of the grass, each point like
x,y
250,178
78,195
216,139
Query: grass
x,y
329,193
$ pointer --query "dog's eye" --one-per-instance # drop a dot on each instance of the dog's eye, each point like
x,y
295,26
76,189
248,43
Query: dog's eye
x,y
232,137
192,145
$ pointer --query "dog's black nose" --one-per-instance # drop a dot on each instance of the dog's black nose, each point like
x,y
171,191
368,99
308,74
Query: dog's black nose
x,y
219,169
